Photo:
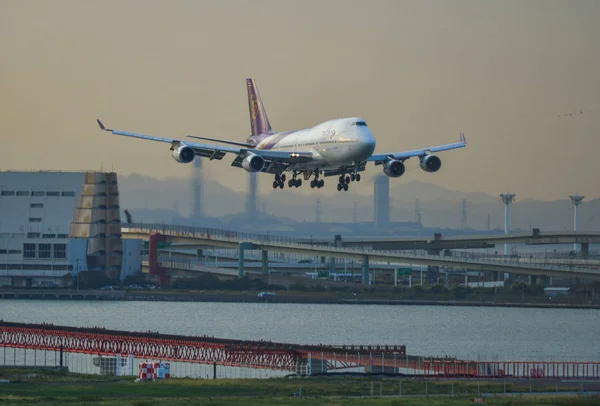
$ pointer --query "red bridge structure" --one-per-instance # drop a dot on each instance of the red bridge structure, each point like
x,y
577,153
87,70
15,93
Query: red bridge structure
x,y
303,359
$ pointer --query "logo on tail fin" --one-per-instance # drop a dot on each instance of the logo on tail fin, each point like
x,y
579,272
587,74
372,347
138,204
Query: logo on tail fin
x,y
254,106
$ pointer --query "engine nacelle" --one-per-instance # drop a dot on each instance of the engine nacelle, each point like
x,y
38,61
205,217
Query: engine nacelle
x,y
430,163
394,168
253,163
183,154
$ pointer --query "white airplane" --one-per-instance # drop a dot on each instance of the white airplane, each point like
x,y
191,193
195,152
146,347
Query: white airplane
x,y
340,147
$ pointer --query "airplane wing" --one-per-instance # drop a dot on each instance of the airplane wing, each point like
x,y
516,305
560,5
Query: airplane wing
x,y
378,158
273,159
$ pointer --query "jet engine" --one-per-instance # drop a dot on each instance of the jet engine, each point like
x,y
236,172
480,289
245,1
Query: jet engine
x,y
253,163
183,154
430,163
394,168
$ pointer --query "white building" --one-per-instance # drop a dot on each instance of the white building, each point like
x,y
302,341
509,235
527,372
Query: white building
x,y
36,213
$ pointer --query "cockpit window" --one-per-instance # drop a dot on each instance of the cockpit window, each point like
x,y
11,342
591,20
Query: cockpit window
x,y
360,123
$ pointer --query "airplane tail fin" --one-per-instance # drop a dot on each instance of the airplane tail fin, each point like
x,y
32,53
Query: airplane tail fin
x,y
259,122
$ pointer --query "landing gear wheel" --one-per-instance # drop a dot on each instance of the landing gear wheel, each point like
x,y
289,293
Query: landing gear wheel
x,y
275,184
291,183
345,187
352,177
283,177
281,185
347,179
339,187
298,182
321,183
312,184
358,177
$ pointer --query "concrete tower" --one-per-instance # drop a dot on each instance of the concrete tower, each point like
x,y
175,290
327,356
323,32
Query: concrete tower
x,y
97,219
576,200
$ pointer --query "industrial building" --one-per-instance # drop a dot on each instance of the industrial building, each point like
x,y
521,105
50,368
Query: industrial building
x,y
53,224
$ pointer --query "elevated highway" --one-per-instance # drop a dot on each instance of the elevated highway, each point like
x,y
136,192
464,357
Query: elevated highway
x,y
439,242
199,237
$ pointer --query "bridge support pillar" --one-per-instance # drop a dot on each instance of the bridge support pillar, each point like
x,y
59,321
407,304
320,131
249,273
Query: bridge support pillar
x,y
154,267
585,249
533,280
365,270
242,247
544,279
331,264
265,262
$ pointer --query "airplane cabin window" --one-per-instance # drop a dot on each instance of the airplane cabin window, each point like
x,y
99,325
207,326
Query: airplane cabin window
x,y
360,123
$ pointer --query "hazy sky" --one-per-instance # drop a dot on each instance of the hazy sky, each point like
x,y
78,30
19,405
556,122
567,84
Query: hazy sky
x,y
419,72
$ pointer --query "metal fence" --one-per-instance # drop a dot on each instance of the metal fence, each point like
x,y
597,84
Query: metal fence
x,y
316,363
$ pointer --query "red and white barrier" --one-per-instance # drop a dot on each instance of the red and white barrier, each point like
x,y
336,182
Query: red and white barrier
x,y
150,371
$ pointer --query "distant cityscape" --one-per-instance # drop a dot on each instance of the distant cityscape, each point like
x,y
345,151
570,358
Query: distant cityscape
x,y
393,207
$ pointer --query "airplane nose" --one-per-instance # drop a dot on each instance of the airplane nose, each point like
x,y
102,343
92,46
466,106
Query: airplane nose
x,y
368,141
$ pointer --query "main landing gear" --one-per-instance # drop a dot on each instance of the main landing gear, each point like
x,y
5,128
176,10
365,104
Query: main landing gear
x,y
316,182
344,180
279,181
295,182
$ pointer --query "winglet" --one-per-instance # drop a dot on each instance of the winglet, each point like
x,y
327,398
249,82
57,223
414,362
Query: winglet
x,y
100,124
462,138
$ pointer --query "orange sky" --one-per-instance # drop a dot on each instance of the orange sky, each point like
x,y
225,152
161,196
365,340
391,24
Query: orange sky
x,y
419,72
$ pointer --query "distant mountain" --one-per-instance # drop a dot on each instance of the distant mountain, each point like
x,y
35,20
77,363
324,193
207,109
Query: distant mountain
x,y
171,198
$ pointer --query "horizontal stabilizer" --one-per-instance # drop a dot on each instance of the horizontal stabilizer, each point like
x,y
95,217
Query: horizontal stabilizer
x,y
240,144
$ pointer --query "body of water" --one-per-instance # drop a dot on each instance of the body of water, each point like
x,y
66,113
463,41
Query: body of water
x,y
484,333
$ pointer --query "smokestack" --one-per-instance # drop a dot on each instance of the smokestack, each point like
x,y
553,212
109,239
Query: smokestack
x,y
382,201
251,197
197,207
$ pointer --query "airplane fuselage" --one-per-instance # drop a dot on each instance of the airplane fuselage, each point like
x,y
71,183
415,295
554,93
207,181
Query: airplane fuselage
x,y
334,143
